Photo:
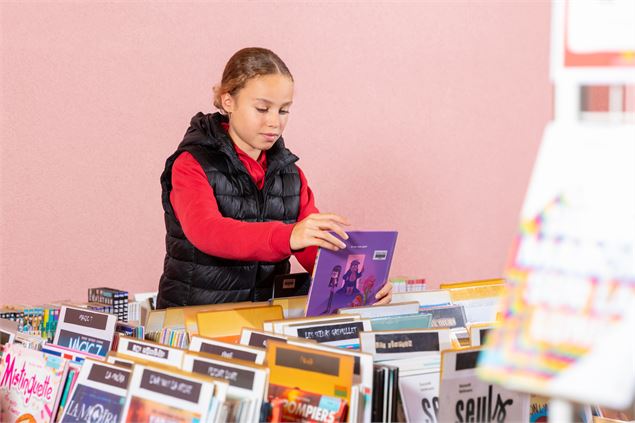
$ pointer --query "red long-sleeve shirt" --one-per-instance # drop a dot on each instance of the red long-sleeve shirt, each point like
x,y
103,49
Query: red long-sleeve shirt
x,y
195,206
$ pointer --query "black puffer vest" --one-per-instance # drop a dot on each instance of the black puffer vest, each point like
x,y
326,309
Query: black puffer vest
x,y
192,277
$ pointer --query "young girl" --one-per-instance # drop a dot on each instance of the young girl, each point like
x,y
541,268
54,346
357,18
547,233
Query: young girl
x,y
236,204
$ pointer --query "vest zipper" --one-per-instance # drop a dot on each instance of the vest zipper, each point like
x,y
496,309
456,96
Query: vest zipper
x,y
265,190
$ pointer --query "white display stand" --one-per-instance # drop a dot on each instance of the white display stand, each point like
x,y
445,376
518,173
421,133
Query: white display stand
x,y
570,312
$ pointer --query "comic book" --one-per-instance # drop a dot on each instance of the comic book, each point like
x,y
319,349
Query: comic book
x,y
30,384
162,394
351,277
292,404
99,395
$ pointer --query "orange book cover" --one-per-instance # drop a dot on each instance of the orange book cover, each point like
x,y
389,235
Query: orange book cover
x,y
310,370
290,405
222,323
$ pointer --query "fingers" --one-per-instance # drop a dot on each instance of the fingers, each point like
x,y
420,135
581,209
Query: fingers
x,y
385,300
384,296
331,239
386,289
323,224
334,227
326,225
319,229
324,244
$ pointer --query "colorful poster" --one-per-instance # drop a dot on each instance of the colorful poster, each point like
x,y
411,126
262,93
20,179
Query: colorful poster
x,y
568,317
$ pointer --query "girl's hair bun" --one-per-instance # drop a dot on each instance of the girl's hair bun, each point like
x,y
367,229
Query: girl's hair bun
x,y
246,64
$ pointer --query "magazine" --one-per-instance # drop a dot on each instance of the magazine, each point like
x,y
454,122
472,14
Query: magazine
x,y
30,383
163,394
351,277
99,394
85,330
463,396
90,404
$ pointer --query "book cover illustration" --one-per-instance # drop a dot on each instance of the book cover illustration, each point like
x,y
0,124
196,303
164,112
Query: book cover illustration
x,y
538,409
292,405
463,396
86,331
310,370
161,394
29,384
146,410
93,405
351,277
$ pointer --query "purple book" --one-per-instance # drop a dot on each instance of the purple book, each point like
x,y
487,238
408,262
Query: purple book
x,y
351,277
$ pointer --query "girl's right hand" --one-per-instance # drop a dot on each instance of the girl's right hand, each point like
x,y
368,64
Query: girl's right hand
x,y
314,230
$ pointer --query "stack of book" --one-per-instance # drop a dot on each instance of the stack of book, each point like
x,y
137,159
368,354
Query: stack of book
x,y
109,300
328,356
384,363
40,321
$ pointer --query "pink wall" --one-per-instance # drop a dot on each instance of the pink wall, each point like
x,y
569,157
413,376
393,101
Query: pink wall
x,y
423,118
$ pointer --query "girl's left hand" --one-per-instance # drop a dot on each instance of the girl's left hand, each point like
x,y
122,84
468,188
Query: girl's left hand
x,y
384,296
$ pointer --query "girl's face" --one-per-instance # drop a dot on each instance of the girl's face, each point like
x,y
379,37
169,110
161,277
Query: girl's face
x,y
258,112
